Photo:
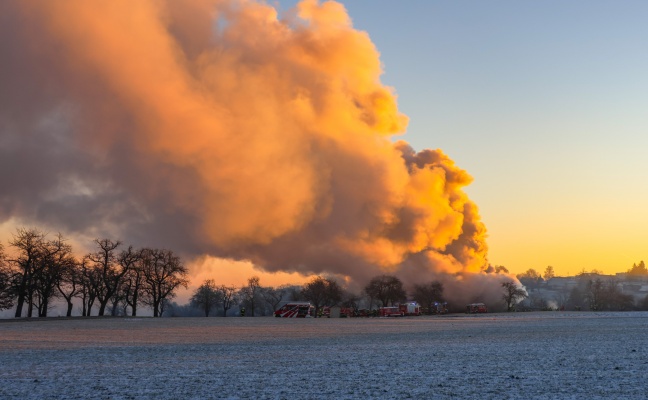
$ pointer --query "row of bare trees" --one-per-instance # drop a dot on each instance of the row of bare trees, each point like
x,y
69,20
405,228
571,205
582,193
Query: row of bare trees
x,y
598,294
587,290
41,269
210,298
321,292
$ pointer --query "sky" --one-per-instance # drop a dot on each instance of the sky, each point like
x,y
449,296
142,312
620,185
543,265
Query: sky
x,y
427,139
544,104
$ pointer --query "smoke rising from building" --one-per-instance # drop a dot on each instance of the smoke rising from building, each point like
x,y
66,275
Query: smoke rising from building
x,y
219,128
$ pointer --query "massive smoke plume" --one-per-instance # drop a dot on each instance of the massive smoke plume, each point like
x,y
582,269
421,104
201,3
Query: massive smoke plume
x,y
217,128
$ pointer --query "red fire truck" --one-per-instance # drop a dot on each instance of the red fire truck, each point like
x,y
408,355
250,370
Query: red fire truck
x,y
338,312
410,308
476,308
390,312
295,310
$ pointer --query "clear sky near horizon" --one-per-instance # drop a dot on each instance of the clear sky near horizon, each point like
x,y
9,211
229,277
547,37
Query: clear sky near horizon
x,y
545,104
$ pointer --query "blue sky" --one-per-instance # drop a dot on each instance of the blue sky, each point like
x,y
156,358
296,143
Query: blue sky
x,y
544,103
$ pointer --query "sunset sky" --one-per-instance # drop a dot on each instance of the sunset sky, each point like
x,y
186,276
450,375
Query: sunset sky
x,y
545,104
332,139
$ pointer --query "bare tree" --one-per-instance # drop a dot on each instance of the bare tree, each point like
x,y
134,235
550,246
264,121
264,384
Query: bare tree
x,y
7,293
28,243
273,296
250,293
164,273
322,292
133,283
71,283
55,258
576,299
206,297
128,260
512,294
227,295
388,289
616,299
595,294
90,285
294,293
427,294
605,295
109,270
350,300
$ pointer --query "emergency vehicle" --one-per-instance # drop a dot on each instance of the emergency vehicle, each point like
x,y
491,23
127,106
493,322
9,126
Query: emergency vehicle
x,y
476,308
295,310
338,312
390,312
439,308
410,308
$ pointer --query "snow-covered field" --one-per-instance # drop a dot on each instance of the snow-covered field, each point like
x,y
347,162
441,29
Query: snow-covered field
x,y
550,355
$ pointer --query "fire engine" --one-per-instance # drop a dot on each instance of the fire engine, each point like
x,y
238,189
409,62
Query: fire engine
x,y
410,308
476,308
338,312
439,308
347,312
390,312
295,310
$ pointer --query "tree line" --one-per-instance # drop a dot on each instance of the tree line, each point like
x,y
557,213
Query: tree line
x,y
256,300
36,269
114,277
592,291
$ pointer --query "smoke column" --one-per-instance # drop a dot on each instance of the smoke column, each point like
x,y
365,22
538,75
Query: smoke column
x,y
217,128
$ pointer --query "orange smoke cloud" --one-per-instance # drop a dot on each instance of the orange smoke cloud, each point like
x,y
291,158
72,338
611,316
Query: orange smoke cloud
x,y
216,127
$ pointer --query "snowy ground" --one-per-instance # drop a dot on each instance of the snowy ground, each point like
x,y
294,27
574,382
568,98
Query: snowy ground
x,y
550,355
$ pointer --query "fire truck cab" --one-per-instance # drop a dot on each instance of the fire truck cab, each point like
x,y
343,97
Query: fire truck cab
x,y
295,310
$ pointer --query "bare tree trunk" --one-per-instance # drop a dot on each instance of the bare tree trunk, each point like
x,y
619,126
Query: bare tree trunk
x,y
69,309
134,305
44,307
30,305
90,304
21,296
102,307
